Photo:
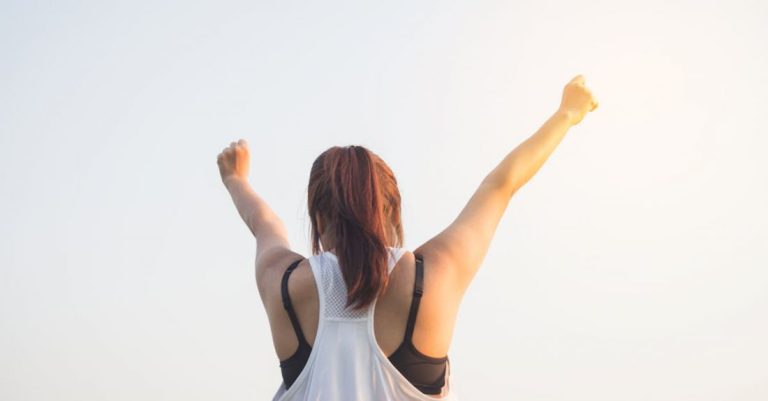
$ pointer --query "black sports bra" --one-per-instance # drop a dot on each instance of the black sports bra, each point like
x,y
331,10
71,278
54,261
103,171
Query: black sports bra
x,y
424,372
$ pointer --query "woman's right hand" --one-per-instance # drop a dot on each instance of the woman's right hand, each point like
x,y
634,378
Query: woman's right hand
x,y
577,100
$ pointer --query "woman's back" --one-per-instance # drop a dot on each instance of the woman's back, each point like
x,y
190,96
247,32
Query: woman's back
x,y
434,322
316,292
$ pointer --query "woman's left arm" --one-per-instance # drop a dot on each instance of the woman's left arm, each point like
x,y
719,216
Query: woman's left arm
x,y
264,224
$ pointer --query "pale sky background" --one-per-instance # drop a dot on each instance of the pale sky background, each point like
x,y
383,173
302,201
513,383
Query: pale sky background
x,y
631,267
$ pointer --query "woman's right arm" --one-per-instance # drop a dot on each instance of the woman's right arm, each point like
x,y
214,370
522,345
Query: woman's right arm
x,y
458,251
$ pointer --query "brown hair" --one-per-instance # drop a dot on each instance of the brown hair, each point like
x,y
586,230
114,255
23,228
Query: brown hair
x,y
355,194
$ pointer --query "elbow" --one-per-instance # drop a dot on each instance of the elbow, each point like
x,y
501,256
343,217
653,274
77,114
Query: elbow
x,y
504,183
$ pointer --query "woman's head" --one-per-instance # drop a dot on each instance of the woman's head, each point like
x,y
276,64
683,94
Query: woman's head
x,y
354,207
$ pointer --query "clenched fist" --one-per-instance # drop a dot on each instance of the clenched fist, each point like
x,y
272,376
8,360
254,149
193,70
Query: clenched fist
x,y
577,100
234,161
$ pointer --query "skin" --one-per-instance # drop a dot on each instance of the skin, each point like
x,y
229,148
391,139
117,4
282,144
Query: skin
x,y
451,258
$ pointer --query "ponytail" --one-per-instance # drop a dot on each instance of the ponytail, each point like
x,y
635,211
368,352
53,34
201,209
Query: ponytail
x,y
356,196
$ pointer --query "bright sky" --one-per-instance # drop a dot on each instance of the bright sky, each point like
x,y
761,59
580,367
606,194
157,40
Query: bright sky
x,y
631,267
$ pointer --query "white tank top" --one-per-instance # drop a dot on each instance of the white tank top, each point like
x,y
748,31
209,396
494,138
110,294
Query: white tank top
x,y
346,362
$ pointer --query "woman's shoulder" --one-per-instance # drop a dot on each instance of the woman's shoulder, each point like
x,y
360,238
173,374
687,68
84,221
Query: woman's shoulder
x,y
270,268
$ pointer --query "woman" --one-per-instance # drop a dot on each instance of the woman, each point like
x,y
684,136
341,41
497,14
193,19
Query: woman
x,y
363,318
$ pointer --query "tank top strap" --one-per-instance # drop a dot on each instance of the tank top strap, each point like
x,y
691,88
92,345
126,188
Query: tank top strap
x,y
418,290
395,255
288,306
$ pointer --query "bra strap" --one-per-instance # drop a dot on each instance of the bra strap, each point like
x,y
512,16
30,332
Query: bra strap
x,y
289,306
418,290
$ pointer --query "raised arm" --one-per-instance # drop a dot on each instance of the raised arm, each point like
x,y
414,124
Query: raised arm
x,y
263,223
458,251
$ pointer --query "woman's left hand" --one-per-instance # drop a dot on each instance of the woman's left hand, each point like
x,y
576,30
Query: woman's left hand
x,y
234,161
